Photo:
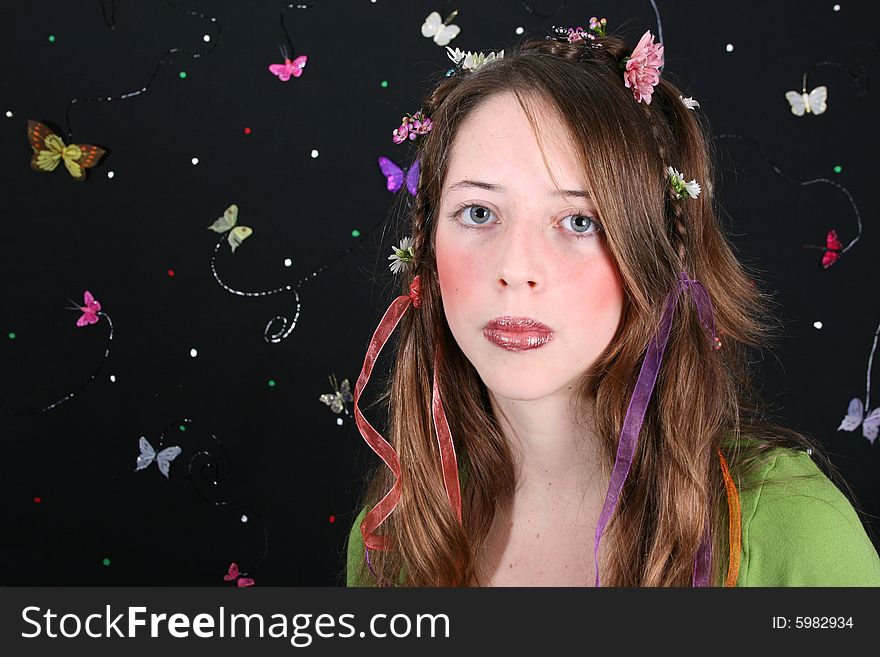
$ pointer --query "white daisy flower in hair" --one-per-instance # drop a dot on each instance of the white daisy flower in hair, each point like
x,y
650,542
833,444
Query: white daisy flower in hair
x,y
680,188
471,61
690,103
402,256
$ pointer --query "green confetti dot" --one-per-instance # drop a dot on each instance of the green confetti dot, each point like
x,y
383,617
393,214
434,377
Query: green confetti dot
x,y
838,169
11,335
271,383
384,84
355,233
182,75
51,38
106,561
182,427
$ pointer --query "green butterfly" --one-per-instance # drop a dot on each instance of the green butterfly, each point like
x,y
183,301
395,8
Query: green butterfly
x,y
237,234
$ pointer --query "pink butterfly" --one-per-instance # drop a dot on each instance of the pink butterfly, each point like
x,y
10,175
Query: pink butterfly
x,y
89,311
855,415
288,68
233,574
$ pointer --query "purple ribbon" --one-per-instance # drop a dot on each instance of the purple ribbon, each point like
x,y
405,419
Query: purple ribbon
x,y
635,416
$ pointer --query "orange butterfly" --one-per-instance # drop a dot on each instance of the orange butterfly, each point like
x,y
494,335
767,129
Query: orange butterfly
x,y
49,150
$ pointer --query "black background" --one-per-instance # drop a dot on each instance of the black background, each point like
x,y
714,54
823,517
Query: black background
x,y
294,471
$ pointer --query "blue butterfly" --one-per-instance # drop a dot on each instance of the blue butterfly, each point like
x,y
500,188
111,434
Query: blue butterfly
x,y
163,459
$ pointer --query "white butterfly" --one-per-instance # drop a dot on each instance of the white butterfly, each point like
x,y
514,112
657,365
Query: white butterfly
x,y
148,455
855,415
813,102
237,234
337,399
442,32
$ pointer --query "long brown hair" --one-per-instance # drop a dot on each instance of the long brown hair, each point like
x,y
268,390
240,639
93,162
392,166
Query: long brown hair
x,y
703,400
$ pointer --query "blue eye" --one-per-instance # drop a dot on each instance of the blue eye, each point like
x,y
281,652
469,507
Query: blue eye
x,y
589,220
478,213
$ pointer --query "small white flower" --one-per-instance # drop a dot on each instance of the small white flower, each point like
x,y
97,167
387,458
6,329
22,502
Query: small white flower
x,y
455,55
402,256
693,188
471,61
690,103
680,188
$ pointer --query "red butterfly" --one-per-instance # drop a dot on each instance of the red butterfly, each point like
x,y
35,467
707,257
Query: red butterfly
x,y
832,249
233,574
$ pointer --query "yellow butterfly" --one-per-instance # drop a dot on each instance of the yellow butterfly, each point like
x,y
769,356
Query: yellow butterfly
x,y
49,150
237,234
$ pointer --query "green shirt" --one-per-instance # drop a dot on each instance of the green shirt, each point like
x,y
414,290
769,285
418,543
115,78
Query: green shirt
x,y
802,532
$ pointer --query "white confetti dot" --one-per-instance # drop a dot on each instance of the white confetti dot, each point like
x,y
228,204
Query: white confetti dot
x,y
520,30
339,421
8,114
112,378
193,352
373,1
288,262
836,7
110,174
195,161
314,152
817,325
206,38
244,518
729,47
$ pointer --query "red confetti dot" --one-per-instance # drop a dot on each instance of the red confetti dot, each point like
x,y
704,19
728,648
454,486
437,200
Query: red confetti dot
x,y
247,131
37,500
332,518
171,272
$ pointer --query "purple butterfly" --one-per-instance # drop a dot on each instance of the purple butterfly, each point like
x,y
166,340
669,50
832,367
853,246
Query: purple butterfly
x,y
855,415
395,176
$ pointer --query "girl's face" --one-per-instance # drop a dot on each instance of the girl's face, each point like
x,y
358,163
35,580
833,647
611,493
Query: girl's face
x,y
508,244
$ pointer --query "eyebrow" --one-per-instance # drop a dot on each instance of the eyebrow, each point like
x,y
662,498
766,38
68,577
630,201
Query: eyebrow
x,y
462,184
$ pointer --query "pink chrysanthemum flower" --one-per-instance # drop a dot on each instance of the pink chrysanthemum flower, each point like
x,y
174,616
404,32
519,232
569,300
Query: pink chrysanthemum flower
x,y
642,72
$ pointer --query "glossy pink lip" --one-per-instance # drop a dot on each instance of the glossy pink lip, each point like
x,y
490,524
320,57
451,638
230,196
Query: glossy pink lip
x,y
517,333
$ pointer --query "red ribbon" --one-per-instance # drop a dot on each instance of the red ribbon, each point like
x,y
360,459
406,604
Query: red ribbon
x,y
378,514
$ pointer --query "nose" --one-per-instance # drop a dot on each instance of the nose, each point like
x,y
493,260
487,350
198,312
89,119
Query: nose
x,y
521,257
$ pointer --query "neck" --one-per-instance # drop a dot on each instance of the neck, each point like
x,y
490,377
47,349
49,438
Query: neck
x,y
556,456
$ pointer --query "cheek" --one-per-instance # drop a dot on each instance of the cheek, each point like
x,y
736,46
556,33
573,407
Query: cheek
x,y
459,273
598,286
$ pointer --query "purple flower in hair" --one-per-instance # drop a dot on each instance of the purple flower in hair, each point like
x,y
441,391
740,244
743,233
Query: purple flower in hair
x,y
411,127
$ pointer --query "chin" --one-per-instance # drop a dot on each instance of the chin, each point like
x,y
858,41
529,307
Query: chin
x,y
521,382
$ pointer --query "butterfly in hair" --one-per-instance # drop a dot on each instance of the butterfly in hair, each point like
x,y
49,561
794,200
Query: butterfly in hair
x,y
49,150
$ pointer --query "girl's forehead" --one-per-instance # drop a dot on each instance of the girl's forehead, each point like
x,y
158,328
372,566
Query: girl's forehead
x,y
497,140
